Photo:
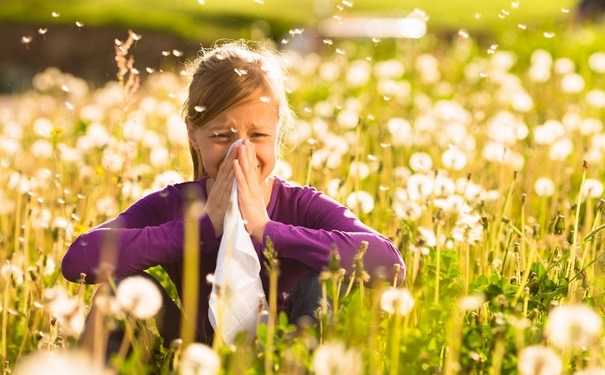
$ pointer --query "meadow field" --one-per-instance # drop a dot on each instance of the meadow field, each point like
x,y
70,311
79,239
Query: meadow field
x,y
480,157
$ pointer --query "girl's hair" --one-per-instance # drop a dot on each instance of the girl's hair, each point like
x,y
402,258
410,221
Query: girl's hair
x,y
229,74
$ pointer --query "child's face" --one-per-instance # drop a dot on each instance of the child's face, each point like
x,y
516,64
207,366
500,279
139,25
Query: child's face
x,y
256,120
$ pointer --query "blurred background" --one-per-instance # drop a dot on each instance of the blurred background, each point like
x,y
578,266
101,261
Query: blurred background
x,y
78,36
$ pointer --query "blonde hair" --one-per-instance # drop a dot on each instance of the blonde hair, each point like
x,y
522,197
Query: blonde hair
x,y
229,74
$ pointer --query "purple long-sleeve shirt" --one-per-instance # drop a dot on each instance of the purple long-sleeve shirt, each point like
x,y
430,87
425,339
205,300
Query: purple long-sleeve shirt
x,y
304,225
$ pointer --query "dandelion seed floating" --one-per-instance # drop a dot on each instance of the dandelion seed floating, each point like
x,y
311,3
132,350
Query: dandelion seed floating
x,y
42,31
177,53
79,24
347,3
165,53
463,33
199,108
328,42
240,72
564,10
201,2
26,39
549,35
514,5
260,2
265,99
522,26
149,70
340,52
284,41
55,14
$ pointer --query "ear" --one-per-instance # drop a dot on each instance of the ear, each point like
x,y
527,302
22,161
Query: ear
x,y
191,132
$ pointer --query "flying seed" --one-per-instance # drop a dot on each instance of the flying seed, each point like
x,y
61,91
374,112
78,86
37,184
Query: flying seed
x,y
199,108
55,14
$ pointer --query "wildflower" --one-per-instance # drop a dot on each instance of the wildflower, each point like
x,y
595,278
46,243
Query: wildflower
x,y
548,132
361,200
359,170
561,149
199,359
564,65
454,159
573,326
389,69
592,188
544,187
421,162
9,270
468,228
401,131
539,360
139,296
359,73
397,301
572,83
596,98
596,62
44,362
473,302
334,358
167,178
348,118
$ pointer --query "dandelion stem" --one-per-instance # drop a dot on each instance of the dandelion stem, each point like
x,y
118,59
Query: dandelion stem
x,y
574,244
191,262
437,264
395,341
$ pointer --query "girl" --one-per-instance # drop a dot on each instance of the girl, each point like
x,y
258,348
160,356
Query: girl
x,y
236,93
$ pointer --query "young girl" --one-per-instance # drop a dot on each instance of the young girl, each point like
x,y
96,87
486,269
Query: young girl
x,y
236,93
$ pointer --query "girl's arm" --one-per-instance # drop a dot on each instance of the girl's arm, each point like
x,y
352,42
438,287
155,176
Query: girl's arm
x,y
148,233
324,223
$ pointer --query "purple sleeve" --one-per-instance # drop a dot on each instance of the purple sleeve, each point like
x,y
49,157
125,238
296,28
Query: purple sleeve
x,y
322,222
148,233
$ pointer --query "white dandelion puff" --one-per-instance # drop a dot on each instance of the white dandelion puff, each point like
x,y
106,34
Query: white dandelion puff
x,y
199,359
573,327
397,301
333,358
539,360
361,200
544,187
139,296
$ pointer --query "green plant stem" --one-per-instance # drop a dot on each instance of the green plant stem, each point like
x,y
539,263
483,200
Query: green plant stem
x,y
395,344
273,276
574,244
437,264
191,262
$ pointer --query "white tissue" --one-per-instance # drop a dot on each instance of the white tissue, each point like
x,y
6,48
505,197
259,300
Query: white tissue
x,y
236,277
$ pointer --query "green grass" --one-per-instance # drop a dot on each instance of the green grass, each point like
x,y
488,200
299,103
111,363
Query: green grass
x,y
215,19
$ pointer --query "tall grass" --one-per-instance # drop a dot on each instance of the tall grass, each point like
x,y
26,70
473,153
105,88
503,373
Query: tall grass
x,y
482,163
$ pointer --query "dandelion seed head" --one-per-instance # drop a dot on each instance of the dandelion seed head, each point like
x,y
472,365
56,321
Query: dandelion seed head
x,y
596,62
65,362
397,301
199,359
472,302
361,200
539,360
544,187
561,149
139,296
335,358
573,327
454,159
421,162
572,83
592,188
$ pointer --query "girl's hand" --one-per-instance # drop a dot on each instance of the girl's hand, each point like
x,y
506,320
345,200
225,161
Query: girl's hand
x,y
250,192
220,192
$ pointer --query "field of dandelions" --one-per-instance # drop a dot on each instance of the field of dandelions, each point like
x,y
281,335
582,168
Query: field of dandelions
x,y
483,161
